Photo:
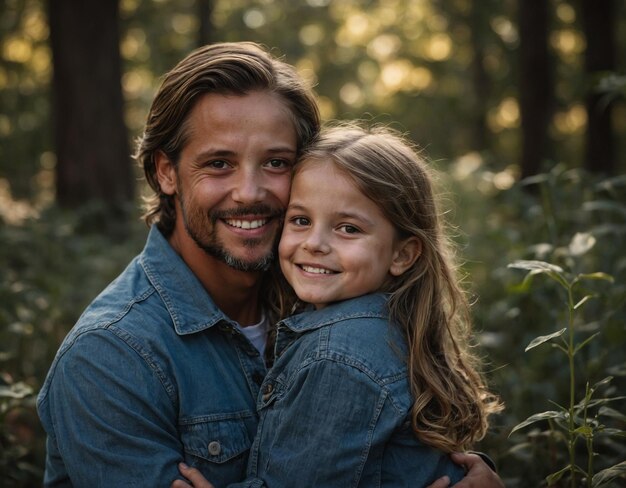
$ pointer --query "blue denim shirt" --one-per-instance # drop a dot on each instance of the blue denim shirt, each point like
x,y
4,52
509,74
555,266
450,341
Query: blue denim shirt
x,y
335,408
152,374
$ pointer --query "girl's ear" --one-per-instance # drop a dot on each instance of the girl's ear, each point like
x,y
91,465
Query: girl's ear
x,y
166,173
406,253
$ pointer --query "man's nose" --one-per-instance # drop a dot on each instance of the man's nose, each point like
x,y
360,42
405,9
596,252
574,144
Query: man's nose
x,y
250,187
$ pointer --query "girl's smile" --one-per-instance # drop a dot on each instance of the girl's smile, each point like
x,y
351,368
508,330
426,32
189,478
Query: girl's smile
x,y
336,242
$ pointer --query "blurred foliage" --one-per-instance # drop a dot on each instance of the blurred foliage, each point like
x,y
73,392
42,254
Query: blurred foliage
x,y
402,61
52,264
538,219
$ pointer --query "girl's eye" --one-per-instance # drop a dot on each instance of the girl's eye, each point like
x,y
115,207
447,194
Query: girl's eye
x,y
300,221
349,229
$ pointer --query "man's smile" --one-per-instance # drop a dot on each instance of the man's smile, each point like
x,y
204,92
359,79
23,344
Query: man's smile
x,y
246,224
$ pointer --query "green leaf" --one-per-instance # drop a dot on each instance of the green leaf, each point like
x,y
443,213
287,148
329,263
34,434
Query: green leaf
x,y
611,412
584,430
554,477
598,401
584,300
550,414
585,342
595,276
581,243
541,267
611,431
604,206
541,339
603,382
18,390
538,266
608,474
535,179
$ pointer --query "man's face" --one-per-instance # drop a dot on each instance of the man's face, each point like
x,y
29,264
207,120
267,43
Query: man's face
x,y
233,177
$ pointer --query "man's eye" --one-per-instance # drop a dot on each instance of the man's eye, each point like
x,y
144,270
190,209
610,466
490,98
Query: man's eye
x,y
277,163
219,164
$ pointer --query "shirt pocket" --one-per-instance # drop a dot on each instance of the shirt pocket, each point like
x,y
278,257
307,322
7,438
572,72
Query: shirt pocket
x,y
216,441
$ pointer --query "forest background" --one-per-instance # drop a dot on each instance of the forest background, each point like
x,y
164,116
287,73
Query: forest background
x,y
519,104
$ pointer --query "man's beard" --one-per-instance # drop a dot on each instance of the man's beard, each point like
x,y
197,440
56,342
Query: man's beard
x,y
210,243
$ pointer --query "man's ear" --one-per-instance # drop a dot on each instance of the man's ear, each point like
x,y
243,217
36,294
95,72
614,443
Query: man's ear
x,y
406,253
166,173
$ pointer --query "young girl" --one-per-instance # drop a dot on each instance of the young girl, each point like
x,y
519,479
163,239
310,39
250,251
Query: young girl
x,y
373,383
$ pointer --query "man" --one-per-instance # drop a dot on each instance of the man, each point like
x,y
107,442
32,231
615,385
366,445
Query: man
x,y
165,365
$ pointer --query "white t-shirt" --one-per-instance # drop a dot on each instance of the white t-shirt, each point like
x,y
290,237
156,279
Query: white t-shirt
x,y
256,334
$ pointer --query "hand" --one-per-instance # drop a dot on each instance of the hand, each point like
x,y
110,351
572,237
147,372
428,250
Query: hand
x,y
479,474
440,483
196,480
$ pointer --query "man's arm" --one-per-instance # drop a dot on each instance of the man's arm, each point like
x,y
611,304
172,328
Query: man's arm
x,y
479,474
106,410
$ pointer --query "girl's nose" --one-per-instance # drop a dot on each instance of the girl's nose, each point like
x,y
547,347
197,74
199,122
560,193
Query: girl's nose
x,y
316,242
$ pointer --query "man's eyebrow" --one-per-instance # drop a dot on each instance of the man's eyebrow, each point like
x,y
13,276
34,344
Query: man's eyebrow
x,y
213,153
282,150
223,153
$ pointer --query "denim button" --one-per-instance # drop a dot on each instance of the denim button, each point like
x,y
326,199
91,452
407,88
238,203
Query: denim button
x,y
267,391
214,448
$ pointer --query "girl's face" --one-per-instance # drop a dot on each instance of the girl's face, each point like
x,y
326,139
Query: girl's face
x,y
336,243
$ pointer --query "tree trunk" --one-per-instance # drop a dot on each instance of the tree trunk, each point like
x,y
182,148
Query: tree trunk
x,y
205,31
598,24
479,25
535,84
93,157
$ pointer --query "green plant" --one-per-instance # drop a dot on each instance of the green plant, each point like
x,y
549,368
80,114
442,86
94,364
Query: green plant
x,y
51,266
576,420
18,466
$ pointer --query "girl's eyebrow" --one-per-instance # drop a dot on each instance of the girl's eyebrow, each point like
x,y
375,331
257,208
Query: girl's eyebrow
x,y
339,214
354,216
295,206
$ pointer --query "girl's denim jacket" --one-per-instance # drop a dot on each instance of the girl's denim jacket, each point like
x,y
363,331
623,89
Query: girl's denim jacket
x,y
335,408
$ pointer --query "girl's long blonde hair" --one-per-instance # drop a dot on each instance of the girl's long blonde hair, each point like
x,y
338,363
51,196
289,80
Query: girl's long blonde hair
x,y
452,402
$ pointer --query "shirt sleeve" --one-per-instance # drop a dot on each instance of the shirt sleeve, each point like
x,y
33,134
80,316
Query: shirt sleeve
x,y
318,431
109,417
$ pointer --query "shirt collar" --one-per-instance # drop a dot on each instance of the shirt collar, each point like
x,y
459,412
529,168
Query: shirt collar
x,y
373,306
189,305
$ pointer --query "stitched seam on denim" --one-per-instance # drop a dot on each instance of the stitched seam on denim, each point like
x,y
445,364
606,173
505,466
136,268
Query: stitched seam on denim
x,y
241,414
132,342
116,318
340,318
370,434
152,276
74,335
340,359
